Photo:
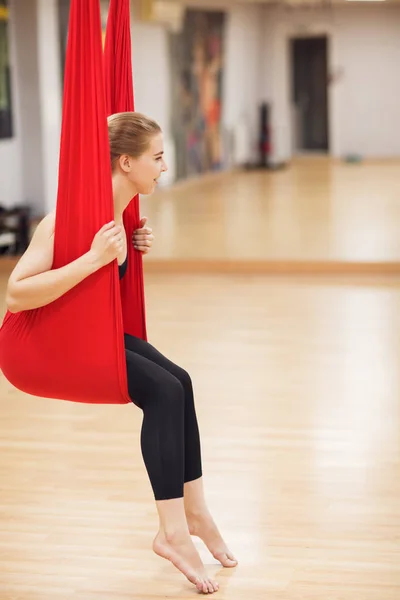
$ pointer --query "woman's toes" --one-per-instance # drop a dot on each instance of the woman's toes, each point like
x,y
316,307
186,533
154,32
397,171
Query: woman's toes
x,y
231,557
226,559
203,587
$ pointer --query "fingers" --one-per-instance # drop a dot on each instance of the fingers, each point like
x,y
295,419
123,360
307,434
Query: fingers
x,y
115,238
144,249
141,237
118,238
143,242
143,231
109,225
143,245
113,231
117,241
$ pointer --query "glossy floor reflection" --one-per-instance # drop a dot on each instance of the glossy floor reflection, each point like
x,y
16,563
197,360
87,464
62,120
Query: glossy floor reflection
x,y
298,397
317,210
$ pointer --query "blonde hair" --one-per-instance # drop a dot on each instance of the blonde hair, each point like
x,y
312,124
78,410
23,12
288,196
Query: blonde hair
x,y
130,133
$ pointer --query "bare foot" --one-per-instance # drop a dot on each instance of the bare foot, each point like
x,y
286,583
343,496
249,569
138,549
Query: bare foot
x,y
180,550
203,526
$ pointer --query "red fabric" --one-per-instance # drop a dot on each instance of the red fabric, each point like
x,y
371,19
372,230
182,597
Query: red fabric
x,y
73,348
120,98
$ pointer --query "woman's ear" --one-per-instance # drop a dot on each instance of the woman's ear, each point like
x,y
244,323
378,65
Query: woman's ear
x,y
125,163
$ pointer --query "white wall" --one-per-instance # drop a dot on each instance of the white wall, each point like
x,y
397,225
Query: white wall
x,y
242,84
28,107
367,99
49,58
275,82
30,160
363,103
10,150
37,143
152,80
242,90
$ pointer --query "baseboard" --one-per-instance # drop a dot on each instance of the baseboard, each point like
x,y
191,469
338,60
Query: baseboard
x,y
256,267
275,267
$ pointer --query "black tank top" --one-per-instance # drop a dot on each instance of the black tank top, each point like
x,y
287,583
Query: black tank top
x,y
122,268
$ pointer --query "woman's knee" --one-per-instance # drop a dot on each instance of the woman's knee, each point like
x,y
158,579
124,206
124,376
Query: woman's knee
x,y
184,378
170,392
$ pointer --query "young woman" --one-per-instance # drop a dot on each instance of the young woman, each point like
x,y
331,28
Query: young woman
x,y
163,391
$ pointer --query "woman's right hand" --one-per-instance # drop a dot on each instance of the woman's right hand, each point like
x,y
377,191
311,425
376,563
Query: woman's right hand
x,y
107,243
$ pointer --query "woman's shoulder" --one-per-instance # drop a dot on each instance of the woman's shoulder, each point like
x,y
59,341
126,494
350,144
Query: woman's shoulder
x,y
47,224
50,219
43,232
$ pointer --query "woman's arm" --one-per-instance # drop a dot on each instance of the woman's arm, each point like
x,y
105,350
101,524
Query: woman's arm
x,y
33,284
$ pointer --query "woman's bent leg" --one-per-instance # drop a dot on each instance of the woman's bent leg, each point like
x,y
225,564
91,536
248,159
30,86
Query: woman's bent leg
x,y
193,467
161,397
199,519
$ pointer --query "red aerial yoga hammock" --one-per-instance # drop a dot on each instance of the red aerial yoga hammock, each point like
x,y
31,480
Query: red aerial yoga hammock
x,y
73,348
119,98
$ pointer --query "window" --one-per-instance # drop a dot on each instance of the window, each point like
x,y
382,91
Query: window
x,y
6,130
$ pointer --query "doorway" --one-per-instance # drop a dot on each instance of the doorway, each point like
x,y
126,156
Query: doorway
x,y
309,67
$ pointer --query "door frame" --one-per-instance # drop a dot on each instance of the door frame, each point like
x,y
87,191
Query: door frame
x,y
291,33
294,120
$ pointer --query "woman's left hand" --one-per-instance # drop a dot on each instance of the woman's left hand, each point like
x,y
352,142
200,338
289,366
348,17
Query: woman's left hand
x,y
143,237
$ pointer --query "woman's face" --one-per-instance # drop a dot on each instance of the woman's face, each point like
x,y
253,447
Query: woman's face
x,y
146,170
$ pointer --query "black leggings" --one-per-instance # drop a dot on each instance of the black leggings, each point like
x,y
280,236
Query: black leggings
x,y
170,438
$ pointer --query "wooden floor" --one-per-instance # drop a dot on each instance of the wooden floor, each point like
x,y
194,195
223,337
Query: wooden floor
x,y
297,384
320,214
